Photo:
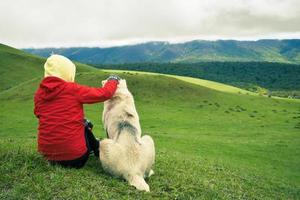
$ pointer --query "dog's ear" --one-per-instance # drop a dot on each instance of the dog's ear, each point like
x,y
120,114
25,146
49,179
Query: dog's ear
x,y
123,83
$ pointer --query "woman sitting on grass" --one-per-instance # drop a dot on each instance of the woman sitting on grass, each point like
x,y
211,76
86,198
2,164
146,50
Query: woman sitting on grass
x,y
64,137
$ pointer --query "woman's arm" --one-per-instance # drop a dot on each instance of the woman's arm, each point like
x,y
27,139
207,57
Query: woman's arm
x,y
89,95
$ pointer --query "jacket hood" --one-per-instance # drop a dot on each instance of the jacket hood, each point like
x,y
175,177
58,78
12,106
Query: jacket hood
x,y
50,87
61,67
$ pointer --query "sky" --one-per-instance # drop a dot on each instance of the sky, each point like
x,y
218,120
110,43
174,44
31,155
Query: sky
x,y
105,23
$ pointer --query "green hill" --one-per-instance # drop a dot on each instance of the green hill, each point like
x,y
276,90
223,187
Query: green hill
x,y
274,77
18,66
209,144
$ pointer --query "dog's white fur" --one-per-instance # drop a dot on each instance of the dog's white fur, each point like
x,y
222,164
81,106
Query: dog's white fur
x,y
125,153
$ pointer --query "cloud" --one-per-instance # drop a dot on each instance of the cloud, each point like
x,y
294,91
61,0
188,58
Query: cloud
x,y
39,23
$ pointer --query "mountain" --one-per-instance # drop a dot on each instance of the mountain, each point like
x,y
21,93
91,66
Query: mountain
x,y
210,143
287,51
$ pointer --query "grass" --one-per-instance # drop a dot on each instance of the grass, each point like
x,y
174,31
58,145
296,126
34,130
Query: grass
x,y
202,151
209,145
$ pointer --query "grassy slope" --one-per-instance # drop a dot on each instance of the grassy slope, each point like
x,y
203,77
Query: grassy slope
x,y
205,83
17,67
202,82
209,145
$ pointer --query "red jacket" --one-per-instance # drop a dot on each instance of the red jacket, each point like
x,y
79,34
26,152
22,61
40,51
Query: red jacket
x,y
59,107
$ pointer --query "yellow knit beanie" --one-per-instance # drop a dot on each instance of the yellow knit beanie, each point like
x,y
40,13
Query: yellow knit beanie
x,y
61,67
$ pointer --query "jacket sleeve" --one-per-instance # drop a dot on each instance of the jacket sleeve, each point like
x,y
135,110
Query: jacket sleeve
x,y
89,95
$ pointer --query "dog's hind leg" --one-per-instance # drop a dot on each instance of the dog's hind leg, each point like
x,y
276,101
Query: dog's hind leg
x,y
139,183
111,157
149,173
149,154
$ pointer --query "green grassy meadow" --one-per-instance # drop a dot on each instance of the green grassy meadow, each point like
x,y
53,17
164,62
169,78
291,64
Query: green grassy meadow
x,y
210,144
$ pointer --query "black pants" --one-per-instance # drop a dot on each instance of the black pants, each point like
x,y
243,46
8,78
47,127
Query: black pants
x,y
92,145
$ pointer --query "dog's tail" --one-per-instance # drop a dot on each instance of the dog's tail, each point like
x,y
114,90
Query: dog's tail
x,y
139,183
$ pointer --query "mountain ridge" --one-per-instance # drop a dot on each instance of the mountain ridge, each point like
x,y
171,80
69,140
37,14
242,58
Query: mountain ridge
x,y
270,50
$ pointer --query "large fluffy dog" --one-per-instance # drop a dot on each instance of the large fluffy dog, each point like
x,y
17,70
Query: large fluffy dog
x,y
125,154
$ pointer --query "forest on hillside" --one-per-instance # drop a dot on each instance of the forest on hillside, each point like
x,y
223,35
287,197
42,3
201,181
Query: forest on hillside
x,y
278,79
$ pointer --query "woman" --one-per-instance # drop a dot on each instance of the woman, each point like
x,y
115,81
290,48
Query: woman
x,y
64,137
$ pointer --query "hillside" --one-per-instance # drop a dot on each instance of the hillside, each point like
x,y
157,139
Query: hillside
x,y
17,66
253,76
209,144
286,51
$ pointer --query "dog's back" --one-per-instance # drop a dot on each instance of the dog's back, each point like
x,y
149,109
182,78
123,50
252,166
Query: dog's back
x,y
125,153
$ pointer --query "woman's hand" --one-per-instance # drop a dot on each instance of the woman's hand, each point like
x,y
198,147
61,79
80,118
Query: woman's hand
x,y
114,77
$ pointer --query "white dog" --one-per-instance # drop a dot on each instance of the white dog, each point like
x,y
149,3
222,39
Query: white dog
x,y
125,154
